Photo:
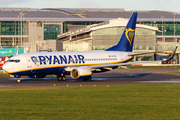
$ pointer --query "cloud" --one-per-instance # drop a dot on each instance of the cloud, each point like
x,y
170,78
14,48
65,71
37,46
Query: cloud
x,y
171,5
7,3
30,3
88,4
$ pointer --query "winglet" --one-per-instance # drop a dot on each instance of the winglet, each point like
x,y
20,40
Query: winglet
x,y
16,51
172,55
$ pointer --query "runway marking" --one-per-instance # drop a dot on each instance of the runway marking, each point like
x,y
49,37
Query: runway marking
x,y
158,82
4,86
94,79
161,81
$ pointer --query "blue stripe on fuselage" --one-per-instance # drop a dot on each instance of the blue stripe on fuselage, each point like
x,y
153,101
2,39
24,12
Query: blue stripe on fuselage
x,y
52,70
45,71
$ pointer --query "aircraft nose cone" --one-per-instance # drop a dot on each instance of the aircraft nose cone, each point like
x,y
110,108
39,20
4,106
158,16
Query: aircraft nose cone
x,y
5,67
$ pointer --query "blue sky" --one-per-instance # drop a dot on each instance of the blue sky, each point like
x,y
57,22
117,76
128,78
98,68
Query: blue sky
x,y
168,5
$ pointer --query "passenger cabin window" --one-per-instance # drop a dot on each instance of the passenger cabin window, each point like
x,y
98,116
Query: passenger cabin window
x,y
101,59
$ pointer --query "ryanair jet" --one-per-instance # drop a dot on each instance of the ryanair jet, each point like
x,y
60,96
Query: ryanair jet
x,y
80,65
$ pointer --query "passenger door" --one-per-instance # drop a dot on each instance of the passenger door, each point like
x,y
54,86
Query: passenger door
x,y
29,62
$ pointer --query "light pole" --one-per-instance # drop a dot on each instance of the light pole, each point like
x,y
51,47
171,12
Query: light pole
x,y
21,26
23,31
154,23
151,22
18,30
162,27
174,26
0,39
21,15
34,38
15,32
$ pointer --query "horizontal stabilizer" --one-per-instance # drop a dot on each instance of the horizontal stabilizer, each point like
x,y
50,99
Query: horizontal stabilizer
x,y
133,54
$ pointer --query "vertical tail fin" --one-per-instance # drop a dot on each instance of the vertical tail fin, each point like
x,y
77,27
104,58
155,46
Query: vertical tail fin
x,y
172,55
127,38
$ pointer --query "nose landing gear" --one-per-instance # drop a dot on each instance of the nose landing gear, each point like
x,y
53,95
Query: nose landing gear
x,y
18,80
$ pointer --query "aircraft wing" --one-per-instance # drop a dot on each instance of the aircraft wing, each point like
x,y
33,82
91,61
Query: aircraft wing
x,y
144,53
92,67
133,54
121,64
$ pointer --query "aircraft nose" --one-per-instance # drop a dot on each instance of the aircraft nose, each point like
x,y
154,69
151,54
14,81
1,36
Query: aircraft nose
x,y
5,67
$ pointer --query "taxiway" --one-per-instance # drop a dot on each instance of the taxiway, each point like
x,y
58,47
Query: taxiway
x,y
115,77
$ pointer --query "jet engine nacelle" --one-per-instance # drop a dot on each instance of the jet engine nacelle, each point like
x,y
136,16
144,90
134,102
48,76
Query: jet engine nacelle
x,y
37,76
81,73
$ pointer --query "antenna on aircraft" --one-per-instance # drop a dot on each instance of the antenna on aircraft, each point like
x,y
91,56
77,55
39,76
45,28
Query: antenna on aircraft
x,y
16,51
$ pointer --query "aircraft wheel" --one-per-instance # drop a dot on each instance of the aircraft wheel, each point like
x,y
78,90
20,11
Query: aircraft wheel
x,y
58,78
18,80
61,78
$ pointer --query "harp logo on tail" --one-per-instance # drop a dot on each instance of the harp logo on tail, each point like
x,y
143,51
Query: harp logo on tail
x,y
129,35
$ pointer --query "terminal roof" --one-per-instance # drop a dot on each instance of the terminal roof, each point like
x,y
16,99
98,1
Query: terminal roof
x,y
84,14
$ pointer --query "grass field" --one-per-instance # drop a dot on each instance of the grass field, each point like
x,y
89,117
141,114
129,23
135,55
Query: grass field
x,y
146,101
4,75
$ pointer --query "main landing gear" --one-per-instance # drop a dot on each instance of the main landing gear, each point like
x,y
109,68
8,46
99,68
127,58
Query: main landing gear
x,y
61,77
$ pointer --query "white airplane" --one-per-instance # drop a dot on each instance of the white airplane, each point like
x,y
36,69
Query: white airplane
x,y
80,65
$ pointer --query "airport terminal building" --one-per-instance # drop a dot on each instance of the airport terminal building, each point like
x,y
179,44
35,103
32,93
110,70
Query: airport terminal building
x,y
82,29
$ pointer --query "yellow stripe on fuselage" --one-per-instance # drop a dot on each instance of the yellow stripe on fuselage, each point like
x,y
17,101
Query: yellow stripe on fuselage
x,y
71,65
86,75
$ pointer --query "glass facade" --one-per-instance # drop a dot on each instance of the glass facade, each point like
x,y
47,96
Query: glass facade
x,y
51,31
142,58
12,28
66,24
73,46
107,37
144,47
166,27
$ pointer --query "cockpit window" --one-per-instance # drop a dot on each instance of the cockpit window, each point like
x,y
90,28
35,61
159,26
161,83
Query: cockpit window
x,y
16,61
11,60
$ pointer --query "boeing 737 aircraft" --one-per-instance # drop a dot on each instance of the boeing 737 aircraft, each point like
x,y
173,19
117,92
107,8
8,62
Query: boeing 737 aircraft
x,y
80,65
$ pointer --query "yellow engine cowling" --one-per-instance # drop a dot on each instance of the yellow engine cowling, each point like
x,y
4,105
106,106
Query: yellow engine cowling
x,y
80,73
